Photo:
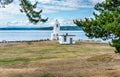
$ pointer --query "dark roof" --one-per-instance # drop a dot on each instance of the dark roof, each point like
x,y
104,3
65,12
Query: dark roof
x,y
66,35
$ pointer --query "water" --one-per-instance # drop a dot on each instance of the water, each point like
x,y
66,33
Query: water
x,y
26,35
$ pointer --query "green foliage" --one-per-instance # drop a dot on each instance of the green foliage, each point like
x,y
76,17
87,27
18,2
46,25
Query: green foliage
x,y
29,42
106,24
29,9
116,43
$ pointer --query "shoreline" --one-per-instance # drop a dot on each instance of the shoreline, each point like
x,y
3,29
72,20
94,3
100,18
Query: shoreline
x,y
5,41
53,41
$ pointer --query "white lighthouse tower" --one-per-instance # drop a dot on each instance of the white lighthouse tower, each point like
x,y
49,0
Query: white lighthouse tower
x,y
56,31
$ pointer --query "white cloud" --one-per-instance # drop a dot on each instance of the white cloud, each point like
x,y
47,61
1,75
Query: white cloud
x,y
96,1
62,21
47,11
11,9
71,3
45,1
53,9
58,8
50,6
9,12
66,22
50,22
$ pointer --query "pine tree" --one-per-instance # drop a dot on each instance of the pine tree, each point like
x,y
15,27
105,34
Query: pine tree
x,y
106,24
29,9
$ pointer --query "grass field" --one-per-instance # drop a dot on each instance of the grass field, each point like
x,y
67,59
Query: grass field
x,y
50,59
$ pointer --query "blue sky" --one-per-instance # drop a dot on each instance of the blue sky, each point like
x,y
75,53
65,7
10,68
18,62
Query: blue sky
x,y
65,11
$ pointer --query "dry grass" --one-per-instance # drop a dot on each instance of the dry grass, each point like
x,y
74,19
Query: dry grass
x,y
49,59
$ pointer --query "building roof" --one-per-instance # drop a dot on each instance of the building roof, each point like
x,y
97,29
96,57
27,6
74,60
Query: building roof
x,y
66,35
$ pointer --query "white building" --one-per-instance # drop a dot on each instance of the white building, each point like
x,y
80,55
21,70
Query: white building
x,y
56,31
66,39
63,39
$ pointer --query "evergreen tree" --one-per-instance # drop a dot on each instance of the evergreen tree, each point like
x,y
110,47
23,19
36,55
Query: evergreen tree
x,y
106,24
29,9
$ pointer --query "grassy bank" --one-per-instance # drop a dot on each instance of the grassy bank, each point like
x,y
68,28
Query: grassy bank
x,y
50,59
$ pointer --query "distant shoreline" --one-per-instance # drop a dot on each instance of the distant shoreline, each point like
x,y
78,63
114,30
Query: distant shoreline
x,y
42,28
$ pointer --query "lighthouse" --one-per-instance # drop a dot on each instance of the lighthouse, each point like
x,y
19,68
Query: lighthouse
x,y
56,31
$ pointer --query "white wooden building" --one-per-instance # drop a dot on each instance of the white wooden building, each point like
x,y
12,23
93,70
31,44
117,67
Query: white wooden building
x,y
62,39
67,39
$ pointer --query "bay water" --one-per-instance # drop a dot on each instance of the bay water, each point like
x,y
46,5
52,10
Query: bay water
x,y
27,35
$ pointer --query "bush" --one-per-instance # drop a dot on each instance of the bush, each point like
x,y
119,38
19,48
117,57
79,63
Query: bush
x,y
116,44
48,75
29,42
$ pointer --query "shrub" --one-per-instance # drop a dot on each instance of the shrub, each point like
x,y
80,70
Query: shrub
x,y
48,75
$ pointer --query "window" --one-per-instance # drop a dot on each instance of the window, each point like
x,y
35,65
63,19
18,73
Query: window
x,y
57,37
57,25
65,38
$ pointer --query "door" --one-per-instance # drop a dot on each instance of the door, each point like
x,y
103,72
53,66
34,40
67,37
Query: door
x,y
71,40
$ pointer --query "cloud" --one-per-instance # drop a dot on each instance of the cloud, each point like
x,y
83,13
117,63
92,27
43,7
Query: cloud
x,y
11,15
71,3
96,1
50,22
54,9
62,21
52,6
46,1
11,11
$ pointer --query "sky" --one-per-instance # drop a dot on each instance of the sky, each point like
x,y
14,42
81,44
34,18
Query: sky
x,y
65,11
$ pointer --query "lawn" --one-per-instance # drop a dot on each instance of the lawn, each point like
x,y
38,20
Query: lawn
x,y
50,59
